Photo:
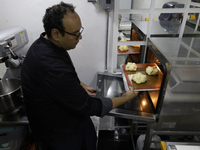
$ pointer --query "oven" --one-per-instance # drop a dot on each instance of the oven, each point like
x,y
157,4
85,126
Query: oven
x,y
168,104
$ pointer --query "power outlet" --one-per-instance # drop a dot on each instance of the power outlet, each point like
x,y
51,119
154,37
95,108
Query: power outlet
x,y
108,4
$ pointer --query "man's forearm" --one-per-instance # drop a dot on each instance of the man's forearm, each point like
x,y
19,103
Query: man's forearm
x,y
117,101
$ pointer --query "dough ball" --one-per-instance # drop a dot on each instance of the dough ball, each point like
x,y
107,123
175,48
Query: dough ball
x,y
152,70
131,66
123,48
123,40
139,78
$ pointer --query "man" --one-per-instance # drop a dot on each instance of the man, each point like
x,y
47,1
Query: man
x,y
58,104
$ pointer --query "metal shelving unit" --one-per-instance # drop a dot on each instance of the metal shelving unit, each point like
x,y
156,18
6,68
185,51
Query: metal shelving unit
x,y
150,13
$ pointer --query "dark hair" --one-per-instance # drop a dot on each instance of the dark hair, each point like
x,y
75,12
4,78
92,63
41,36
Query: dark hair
x,y
54,15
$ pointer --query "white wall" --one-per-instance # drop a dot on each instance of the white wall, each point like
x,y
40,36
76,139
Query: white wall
x,y
89,55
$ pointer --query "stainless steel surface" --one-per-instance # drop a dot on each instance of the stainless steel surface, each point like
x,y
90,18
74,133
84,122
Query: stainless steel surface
x,y
16,35
10,95
139,108
124,79
12,40
181,108
109,85
124,26
12,110
106,52
175,108
165,29
3,51
131,114
18,118
12,73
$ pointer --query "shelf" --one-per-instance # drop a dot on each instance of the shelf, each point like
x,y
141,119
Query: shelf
x,y
132,50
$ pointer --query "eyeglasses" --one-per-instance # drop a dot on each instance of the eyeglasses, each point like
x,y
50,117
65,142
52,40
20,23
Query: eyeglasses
x,y
78,36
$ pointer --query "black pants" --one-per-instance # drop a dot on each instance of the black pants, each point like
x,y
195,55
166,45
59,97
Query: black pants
x,y
84,139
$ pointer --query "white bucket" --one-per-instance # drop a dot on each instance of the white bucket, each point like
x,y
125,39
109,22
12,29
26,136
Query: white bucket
x,y
141,139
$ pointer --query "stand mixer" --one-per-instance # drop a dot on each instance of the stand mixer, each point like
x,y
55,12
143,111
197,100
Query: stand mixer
x,y
12,40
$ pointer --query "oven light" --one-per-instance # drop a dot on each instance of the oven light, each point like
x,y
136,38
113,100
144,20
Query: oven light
x,y
143,103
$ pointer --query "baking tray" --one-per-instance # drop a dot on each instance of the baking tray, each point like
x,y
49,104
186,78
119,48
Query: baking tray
x,y
132,50
152,83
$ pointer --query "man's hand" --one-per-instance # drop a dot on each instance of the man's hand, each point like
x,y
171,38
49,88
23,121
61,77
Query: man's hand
x,y
131,93
90,90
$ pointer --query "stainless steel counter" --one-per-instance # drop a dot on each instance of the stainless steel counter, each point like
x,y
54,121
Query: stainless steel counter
x,y
16,118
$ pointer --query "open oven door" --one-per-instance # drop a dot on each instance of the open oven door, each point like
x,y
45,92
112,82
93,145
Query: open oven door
x,y
140,108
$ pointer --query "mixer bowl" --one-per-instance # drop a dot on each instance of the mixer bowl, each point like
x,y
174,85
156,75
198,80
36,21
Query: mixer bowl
x,y
10,95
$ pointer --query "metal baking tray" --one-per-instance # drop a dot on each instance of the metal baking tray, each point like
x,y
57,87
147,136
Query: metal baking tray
x,y
152,83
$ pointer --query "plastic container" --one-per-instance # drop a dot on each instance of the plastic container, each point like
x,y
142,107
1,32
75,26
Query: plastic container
x,y
140,142
11,137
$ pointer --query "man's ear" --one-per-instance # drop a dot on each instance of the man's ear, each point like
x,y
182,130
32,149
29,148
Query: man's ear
x,y
55,34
